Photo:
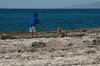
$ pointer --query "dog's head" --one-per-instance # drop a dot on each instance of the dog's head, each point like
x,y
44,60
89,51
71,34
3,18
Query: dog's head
x,y
59,29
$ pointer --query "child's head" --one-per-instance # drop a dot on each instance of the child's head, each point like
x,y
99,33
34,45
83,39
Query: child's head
x,y
35,15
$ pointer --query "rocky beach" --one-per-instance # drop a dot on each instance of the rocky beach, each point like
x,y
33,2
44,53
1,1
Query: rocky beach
x,y
80,48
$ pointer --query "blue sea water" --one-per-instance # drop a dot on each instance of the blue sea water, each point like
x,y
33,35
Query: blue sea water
x,y
67,19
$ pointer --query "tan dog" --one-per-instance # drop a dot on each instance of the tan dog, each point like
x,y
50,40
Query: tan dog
x,y
62,33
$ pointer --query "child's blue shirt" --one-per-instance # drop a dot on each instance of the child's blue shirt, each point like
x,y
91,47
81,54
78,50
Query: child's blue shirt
x,y
33,21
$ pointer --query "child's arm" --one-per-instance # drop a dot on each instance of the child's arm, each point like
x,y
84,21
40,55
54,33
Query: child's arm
x,y
40,23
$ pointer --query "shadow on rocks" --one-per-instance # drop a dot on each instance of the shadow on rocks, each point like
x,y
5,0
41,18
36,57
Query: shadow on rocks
x,y
38,44
35,45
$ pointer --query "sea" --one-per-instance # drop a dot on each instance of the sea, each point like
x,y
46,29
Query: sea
x,y
16,20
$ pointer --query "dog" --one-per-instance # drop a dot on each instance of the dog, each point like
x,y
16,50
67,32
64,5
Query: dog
x,y
62,33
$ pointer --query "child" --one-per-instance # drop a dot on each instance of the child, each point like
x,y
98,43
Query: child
x,y
33,23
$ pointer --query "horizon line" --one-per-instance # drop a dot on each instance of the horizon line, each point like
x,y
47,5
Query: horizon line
x,y
49,8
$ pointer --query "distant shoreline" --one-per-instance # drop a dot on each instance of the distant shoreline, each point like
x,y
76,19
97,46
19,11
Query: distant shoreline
x,y
51,8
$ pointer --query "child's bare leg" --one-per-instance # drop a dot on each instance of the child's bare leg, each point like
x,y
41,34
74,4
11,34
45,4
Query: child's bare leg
x,y
31,34
36,34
